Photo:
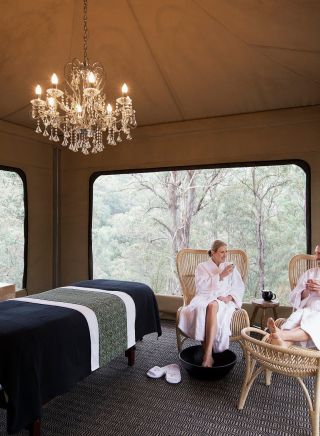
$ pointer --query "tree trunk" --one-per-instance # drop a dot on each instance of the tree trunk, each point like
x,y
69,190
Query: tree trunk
x,y
260,236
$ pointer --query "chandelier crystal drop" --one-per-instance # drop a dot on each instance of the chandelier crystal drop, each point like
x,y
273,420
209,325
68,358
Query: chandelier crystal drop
x,y
80,112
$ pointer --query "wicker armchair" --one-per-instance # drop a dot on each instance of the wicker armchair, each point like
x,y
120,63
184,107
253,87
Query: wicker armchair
x,y
293,362
298,265
187,261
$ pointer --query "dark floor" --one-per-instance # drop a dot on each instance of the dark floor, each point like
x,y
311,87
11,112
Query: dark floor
x,y
121,400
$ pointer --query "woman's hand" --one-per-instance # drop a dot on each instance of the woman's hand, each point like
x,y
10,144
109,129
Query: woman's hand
x,y
228,270
226,299
313,286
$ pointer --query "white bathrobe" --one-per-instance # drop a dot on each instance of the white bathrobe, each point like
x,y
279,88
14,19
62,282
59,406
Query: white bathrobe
x,y
307,315
208,288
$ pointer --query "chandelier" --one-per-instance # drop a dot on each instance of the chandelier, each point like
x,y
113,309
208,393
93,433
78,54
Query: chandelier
x,y
80,113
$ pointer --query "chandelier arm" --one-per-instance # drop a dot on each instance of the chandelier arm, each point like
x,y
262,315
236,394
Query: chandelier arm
x,y
67,80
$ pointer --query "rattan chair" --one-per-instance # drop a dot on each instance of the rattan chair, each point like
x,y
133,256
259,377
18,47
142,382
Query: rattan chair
x,y
187,261
298,265
292,362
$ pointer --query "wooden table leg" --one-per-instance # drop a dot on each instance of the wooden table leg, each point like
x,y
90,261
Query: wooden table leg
x,y
35,428
263,318
130,354
254,314
275,314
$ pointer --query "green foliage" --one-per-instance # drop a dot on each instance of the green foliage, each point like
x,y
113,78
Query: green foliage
x,y
12,216
138,219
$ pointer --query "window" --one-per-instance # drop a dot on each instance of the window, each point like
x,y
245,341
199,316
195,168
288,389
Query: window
x,y
140,221
13,227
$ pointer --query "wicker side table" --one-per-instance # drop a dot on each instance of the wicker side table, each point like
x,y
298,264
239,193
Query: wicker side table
x,y
260,304
7,291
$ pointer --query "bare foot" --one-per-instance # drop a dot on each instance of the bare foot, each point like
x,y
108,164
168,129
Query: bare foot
x,y
274,339
267,339
207,362
272,326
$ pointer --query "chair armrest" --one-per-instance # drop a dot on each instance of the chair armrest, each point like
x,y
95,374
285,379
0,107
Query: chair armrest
x,y
178,314
240,320
292,361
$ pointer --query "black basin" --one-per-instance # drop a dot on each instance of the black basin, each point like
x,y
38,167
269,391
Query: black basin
x,y
191,359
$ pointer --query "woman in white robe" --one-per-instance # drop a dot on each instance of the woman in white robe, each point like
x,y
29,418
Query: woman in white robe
x,y
303,326
219,292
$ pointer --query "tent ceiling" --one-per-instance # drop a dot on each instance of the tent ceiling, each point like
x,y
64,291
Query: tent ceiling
x,y
182,59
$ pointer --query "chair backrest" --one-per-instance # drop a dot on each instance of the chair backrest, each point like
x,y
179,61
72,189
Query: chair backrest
x,y
298,265
188,259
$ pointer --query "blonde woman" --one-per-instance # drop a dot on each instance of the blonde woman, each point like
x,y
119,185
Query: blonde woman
x,y
219,292
302,328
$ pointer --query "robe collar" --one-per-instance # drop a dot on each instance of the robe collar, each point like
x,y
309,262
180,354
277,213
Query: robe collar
x,y
215,268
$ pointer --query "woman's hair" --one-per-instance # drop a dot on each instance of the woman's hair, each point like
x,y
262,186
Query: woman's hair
x,y
215,246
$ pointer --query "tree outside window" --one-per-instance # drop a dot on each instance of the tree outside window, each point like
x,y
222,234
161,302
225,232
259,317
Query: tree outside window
x,y
141,220
12,238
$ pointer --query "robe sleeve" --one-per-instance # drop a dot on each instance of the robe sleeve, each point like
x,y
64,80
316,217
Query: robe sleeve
x,y
295,296
237,288
206,281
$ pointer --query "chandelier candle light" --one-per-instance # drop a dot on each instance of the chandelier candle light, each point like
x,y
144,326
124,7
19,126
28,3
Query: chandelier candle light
x,y
80,111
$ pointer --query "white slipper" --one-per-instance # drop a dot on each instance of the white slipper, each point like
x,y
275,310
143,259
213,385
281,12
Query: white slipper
x,y
173,374
156,372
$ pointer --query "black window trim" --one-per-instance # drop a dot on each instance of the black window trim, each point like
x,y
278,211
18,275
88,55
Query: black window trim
x,y
23,177
299,162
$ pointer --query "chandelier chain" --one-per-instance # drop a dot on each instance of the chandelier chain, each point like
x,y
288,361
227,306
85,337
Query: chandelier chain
x,y
85,32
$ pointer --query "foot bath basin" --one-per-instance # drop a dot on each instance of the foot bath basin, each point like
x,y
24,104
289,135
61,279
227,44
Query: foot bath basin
x,y
191,359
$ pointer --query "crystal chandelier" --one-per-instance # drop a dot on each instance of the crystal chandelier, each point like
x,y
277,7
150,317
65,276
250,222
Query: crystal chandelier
x,y
80,112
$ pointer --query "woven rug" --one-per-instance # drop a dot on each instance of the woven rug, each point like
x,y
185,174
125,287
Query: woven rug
x,y
121,400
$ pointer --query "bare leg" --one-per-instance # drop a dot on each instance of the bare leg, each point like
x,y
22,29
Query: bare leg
x,y
211,328
285,338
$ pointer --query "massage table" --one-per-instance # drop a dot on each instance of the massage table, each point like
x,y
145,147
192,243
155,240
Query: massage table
x,y
51,340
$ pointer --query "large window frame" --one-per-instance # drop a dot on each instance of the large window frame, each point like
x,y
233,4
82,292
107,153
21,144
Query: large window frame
x,y
23,177
302,164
